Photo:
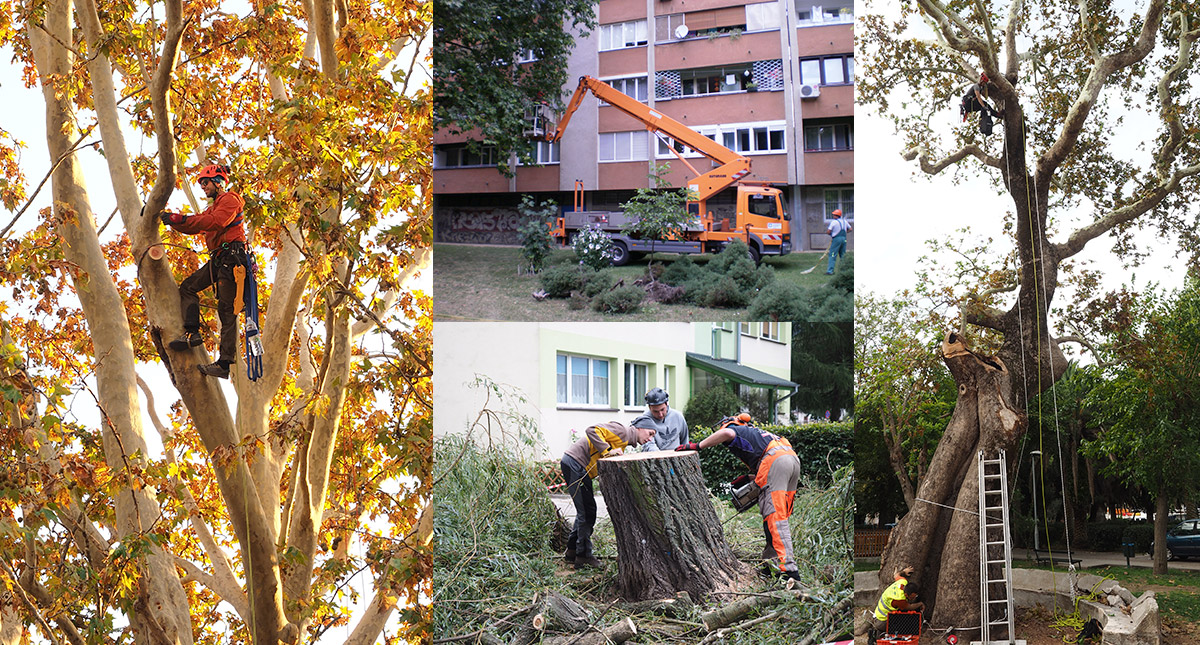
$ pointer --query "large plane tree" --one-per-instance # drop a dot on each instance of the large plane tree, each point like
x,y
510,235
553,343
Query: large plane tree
x,y
1067,75
252,520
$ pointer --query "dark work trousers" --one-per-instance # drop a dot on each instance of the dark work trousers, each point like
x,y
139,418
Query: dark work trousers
x,y
579,485
218,269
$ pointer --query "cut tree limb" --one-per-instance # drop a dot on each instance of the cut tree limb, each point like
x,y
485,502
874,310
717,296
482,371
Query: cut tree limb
x,y
618,632
668,536
732,612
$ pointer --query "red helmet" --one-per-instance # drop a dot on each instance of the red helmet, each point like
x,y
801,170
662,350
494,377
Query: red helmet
x,y
214,171
837,212
983,79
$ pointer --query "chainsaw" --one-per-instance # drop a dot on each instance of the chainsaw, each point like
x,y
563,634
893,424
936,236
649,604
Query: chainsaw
x,y
745,493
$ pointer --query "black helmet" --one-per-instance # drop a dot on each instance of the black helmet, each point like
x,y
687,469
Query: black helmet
x,y
657,396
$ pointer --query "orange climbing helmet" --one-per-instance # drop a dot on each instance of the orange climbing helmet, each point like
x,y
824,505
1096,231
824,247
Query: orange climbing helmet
x,y
837,212
214,171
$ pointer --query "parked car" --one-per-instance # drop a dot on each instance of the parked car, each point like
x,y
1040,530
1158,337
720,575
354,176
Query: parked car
x,y
1183,541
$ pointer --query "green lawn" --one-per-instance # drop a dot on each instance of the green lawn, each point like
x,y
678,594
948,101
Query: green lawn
x,y
481,283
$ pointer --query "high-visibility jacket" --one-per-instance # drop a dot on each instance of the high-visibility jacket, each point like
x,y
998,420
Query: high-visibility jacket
x,y
887,602
220,223
599,440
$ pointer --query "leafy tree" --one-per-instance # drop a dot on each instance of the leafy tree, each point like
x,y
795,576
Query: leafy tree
x,y
658,213
242,526
480,89
902,390
1151,405
708,406
1053,70
823,366
535,231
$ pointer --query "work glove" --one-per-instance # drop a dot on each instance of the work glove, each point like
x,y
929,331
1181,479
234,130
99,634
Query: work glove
x,y
691,445
172,219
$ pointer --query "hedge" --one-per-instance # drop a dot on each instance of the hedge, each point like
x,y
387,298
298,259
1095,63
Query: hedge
x,y
821,447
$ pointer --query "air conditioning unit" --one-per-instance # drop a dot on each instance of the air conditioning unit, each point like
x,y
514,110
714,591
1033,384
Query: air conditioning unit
x,y
810,91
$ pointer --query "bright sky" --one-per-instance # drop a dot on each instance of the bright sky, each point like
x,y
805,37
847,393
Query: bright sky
x,y
24,119
898,209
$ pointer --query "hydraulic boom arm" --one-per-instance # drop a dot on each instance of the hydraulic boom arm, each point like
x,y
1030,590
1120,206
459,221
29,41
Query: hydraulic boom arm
x,y
731,166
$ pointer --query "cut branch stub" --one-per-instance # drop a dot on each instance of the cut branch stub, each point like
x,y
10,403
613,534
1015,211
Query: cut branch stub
x,y
668,536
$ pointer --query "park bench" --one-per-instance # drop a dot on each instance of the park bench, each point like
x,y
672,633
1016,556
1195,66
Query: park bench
x,y
1044,557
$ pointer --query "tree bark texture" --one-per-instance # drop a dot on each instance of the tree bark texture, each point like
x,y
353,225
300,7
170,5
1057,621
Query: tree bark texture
x,y
668,536
940,543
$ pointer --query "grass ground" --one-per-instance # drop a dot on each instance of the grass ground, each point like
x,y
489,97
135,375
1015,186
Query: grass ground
x,y
481,283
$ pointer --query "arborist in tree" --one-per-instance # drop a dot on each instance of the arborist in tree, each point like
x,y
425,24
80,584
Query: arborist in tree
x,y
776,470
221,224
837,230
579,468
899,596
975,100
669,426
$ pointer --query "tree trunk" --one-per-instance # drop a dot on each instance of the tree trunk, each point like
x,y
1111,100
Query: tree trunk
x,y
668,535
1161,509
940,543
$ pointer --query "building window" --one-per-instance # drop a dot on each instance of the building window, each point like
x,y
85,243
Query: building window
x,y
825,138
830,70
668,382
526,56
747,329
770,331
622,34
623,146
635,88
746,138
763,15
839,198
460,155
715,80
582,381
636,375
827,12
545,152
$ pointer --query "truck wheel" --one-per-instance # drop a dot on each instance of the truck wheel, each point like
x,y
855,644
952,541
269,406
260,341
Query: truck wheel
x,y
755,254
620,253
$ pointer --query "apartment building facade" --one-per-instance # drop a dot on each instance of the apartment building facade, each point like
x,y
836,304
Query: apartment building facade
x,y
770,80
573,375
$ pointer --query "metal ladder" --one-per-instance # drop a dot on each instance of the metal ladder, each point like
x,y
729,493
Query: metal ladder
x,y
995,564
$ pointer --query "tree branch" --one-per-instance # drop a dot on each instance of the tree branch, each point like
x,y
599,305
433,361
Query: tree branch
x,y
930,167
1105,67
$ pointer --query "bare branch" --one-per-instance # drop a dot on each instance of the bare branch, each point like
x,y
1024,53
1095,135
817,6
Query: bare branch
x,y
232,595
931,167
1011,59
956,31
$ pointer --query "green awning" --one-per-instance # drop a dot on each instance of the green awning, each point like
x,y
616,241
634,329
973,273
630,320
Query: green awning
x,y
738,373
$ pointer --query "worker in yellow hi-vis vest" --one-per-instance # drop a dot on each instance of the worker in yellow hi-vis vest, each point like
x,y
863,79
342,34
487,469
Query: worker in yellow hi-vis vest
x,y
898,596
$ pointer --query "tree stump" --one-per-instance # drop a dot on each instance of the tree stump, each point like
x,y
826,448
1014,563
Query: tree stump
x,y
668,536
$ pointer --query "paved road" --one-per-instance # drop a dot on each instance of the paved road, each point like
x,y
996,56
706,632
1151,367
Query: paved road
x,y
1091,559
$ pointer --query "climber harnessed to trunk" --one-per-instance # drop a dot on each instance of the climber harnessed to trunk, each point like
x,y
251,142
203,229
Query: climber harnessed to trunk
x,y
975,100
221,224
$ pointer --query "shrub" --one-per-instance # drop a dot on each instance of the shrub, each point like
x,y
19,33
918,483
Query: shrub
x,y
599,282
620,300
593,247
781,301
577,301
843,277
1106,535
726,293
828,304
681,271
1141,534
534,231
708,406
559,281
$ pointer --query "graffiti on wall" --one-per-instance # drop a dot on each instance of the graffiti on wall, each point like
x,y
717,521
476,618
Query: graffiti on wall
x,y
477,225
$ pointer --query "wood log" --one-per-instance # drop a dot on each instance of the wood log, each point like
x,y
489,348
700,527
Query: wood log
x,y
618,632
668,536
554,612
678,607
733,612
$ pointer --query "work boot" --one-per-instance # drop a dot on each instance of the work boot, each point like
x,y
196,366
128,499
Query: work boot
x,y
217,369
588,560
188,340
569,556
